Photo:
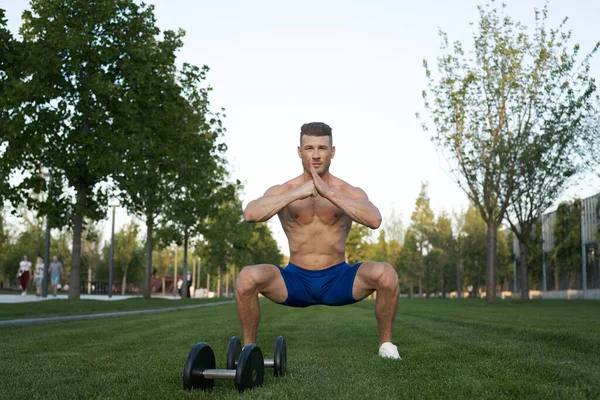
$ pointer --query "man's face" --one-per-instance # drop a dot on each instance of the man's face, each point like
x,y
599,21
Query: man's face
x,y
316,151
55,259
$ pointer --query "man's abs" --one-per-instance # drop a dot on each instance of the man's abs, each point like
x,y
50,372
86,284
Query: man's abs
x,y
316,231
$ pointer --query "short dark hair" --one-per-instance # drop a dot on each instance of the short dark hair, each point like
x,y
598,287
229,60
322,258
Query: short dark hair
x,y
316,129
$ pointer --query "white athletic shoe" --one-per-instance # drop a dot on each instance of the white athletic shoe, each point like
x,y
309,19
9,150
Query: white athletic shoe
x,y
389,350
23,293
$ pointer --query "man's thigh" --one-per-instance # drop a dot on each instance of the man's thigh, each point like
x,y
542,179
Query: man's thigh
x,y
268,280
367,278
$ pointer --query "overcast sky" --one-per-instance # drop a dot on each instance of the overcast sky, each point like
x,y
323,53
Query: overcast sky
x,y
355,65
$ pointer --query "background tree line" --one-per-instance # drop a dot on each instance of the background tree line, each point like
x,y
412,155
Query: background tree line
x,y
96,107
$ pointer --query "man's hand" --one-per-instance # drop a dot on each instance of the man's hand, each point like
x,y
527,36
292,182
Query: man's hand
x,y
307,189
320,185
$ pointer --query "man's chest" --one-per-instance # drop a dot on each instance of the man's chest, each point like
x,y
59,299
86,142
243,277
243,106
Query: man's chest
x,y
314,210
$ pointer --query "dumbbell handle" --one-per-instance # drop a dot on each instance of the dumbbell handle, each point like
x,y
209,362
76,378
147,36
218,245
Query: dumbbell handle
x,y
215,373
269,363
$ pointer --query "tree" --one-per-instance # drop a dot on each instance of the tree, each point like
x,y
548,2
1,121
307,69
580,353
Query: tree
x,y
552,103
198,187
474,249
91,251
508,116
357,244
459,241
409,260
262,246
225,235
444,242
69,103
567,241
126,250
10,75
394,232
423,225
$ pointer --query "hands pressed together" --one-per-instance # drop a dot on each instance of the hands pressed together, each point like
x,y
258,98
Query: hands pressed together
x,y
315,186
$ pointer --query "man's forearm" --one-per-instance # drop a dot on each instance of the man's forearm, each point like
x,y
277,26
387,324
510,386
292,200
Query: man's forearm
x,y
262,209
359,211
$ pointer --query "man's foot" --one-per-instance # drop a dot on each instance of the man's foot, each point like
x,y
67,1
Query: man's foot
x,y
389,350
23,293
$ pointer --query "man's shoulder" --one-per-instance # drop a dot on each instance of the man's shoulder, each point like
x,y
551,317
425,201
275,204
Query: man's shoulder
x,y
285,187
347,189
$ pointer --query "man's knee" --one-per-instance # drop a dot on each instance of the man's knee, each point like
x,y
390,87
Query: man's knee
x,y
388,278
246,281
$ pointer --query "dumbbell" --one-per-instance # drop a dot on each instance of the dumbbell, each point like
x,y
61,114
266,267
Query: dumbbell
x,y
199,370
278,363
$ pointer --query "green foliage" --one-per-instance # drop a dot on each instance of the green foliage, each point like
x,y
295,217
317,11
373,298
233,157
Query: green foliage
x,y
567,239
409,261
474,248
27,239
11,52
78,67
423,226
262,247
358,247
128,264
511,116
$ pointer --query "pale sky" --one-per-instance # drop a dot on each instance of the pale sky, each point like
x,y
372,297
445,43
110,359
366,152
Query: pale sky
x,y
355,65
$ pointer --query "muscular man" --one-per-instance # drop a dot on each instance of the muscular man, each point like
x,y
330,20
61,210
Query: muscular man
x,y
316,210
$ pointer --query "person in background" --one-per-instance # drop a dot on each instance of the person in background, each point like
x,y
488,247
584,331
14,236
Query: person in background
x,y
189,284
24,273
39,276
179,286
56,273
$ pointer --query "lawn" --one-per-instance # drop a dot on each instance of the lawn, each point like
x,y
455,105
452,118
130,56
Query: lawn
x,y
451,349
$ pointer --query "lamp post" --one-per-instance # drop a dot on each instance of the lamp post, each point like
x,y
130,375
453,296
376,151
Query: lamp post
x,y
47,244
112,252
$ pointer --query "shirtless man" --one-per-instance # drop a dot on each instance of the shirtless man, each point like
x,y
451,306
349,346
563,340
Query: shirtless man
x,y
316,210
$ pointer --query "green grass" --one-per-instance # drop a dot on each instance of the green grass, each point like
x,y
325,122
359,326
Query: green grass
x,y
53,308
451,349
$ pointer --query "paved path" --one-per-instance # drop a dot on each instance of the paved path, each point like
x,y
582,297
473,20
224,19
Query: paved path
x,y
17,298
31,321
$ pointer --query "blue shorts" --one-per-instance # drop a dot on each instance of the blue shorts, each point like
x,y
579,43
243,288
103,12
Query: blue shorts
x,y
54,280
331,286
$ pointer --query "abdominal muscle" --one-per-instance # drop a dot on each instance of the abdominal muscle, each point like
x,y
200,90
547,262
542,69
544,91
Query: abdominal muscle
x,y
316,245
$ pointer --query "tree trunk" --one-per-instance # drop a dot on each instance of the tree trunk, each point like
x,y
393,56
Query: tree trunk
x,y
194,282
427,293
89,278
220,282
175,290
75,281
124,282
523,270
148,269
185,290
410,288
420,286
227,284
459,288
492,236
443,284
234,278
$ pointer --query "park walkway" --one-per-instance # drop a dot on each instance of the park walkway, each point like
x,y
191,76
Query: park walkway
x,y
65,318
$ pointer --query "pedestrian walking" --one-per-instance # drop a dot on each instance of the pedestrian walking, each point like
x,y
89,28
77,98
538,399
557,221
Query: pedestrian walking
x,y
24,273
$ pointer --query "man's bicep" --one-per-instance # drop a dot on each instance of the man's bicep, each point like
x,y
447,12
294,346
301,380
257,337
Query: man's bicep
x,y
356,193
276,190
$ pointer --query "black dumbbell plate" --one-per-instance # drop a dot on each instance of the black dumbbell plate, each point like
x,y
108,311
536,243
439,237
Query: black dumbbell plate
x,y
201,357
250,371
